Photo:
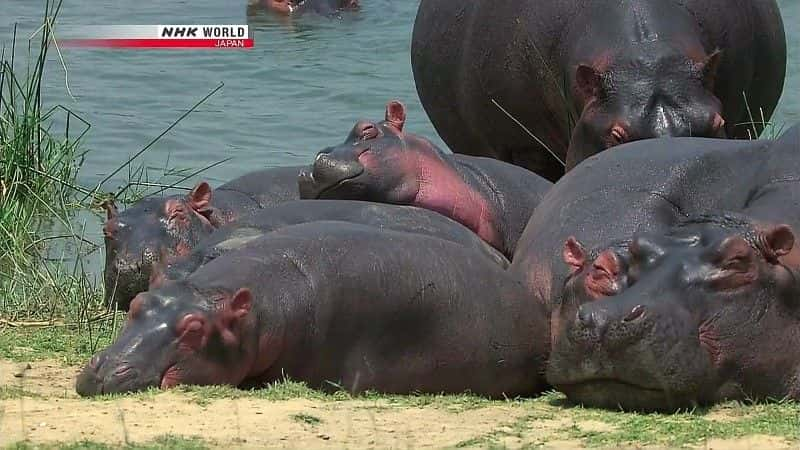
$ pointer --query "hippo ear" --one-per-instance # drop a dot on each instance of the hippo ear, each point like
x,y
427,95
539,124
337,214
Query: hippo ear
x,y
200,198
709,68
779,239
234,310
396,114
588,82
574,254
111,209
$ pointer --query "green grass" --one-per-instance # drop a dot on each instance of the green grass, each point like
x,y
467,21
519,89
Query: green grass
x,y
166,442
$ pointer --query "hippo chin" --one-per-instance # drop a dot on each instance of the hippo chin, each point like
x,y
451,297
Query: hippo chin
x,y
334,305
155,227
380,162
587,75
708,313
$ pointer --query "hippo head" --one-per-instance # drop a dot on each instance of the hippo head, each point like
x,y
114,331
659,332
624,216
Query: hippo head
x,y
377,162
710,313
624,99
138,237
318,6
174,335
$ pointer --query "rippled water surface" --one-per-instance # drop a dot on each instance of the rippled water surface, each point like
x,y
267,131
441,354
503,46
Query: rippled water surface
x,y
300,89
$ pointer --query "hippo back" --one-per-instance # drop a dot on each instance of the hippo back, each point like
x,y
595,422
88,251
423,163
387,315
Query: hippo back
x,y
642,186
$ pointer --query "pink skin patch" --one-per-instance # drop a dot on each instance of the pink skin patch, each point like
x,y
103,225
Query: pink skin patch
x,y
441,189
709,340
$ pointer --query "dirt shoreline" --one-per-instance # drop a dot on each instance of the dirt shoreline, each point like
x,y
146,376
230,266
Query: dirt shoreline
x,y
40,406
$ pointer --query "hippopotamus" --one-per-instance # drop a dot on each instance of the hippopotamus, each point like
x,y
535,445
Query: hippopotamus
x,y
710,315
380,162
546,85
140,235
337,306
322,7
585,222
390,217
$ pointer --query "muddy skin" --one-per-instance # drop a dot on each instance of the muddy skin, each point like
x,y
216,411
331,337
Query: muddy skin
x,y
437,319
587,75
136,238
380,162
711,316
387,217
321,7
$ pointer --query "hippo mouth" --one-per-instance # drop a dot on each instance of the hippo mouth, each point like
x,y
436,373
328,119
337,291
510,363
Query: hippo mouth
x,y
615,394
312,188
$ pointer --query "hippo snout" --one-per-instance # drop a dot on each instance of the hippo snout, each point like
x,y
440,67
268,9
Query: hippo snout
x,y
613,331
104,375
327,173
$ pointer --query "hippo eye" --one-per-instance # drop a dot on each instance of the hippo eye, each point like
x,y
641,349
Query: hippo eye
x,y
369,131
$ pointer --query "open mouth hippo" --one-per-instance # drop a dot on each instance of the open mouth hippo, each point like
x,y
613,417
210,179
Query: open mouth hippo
x,y
335,305
380,162
710,314
137,238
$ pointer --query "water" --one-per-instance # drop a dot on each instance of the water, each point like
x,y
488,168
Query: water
x,y
300,89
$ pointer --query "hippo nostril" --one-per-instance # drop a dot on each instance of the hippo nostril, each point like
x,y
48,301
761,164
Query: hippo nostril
x,y
636,313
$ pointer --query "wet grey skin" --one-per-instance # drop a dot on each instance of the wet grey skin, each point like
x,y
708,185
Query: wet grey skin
x,y
334,304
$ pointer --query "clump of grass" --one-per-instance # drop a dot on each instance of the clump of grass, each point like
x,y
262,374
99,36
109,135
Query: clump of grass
x,y
165,442
38,168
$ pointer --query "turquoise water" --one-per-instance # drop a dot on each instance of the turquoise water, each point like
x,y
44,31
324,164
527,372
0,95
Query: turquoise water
x,y
300,89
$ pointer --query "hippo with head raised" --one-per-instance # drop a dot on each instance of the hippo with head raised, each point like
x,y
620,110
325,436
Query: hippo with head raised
x,y
335,305
380,162
138,237
709,313
587,75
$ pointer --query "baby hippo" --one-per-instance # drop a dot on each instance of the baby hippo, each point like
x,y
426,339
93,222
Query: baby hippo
x,y
334,305
380,162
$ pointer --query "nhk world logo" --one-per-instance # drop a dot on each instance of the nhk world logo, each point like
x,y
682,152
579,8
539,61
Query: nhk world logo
x,y
160,36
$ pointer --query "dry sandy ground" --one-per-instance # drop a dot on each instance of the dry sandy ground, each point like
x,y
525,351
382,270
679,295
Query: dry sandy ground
x,y
55,414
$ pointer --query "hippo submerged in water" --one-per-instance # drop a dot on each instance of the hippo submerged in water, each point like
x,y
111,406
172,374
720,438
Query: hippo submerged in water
x,y
137,237
387,217
586,75
322,7
333,305
380,162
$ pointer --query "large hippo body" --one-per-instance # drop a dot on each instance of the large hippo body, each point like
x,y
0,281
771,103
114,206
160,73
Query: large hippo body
x,y
646,186
708,308
334,305
172,225
407,219
380,162
689,294
584,75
